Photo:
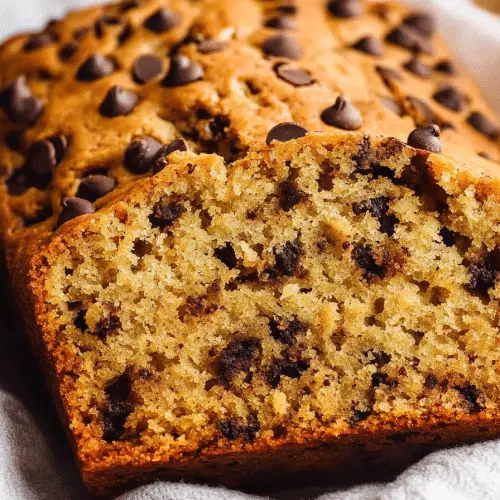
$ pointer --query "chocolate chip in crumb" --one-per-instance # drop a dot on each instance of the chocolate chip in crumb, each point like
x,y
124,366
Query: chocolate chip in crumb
x,y
165,213
232,430
140,154
447,67
13,139
370,45
364,258
409,38
483,274
285,331
285,367
378,358
294,76
38,41
94,187
95,67
287,257
290,195
118,102
106,327
238,356
286,131
226,255
118,407
451,98
161,159
483,125
281,23
422,22
182,72
430,382
146,68
448,236
343,114
426,138
359,416
345,8
417,67
282,46
80,321
162,20
471,396
210,46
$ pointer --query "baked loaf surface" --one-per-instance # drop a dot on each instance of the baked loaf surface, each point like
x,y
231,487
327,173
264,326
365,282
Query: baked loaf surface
x,y
223,296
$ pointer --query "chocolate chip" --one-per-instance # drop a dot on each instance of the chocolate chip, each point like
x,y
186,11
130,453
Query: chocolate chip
x,y
95,186
40,162
60,143
118,102
38,41
430,382
182,71
448,236
95,67
281,23
378,358
424,115
162,20
345,8
359,416
129,5
418,68
165,213
426,138
286,331
161,161
74,207
391,104
238,356
294,76
290,195
19,104
226,255
484,154
381,378
364,258
67,50
378,208
13,139
451,98
287,257
282,46
446,67
284,132
125,34
422,22
232,430
409,38
80,320
102,22
370,45
388,75
483,125
484,273
470,394
140,154
118,408
146,68
210,46
107,326
285,367
343,114
79,33
290,8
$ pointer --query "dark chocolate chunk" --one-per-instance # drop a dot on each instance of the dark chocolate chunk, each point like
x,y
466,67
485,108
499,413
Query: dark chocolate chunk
x,y
226,255
345,8
140,154
285,331
95,186
448,236
417,67
161,159
295,76
451,98
38,41
284,132
118,102
409,38
282,46
430,382
19,104
484,273
285,367
165,213
118,407
146,68
378,208
447,67
483,125
210,46
95,67
162,20
343,114
426,138
80,320
107,326
422,22
287,257
471,395
238,356
422,111
40,162
281,23
182,72
74,207
382,378
290,195
365,260
390,103
67,50
232,430
370,45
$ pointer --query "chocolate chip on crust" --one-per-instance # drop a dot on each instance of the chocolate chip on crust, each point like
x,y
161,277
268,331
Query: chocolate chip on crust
x,y
451,98
286,131
483,125
370,45
118,102
160,160
18,103
294,76
422,22
38,41
282,46
140,154
182,71
426,138
146,68
96,66
409,38
94,187
281,23
345,8
343,114
73,207
162,20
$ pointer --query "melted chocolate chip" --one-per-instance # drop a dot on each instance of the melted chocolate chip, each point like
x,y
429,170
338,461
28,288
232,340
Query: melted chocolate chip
x,y
211,46
182,72
470,394
430,382
80,320
95,186
378,358
140,154
95,67
282,46
281,23
345,8
284,132
118,407
285,367
118,102
381,378
343,114
294,76
483,274
364,258
232,430
38,41
359,416
290,195
370,45
448,236
417,67
426,138
226,255
287,258
422,22
161,159
238,356
409,38
446,67
162,20
74,207
378,208
451,98
165,213
483,125
146,68
286,331
106,327
19,104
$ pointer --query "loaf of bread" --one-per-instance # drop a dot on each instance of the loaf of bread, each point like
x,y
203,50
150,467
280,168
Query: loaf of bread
x,y
253,239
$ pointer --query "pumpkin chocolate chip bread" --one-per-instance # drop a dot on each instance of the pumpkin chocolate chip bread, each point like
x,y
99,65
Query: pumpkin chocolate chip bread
x,y
253,239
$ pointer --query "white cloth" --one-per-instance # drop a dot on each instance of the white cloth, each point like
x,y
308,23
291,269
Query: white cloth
x,y
35,462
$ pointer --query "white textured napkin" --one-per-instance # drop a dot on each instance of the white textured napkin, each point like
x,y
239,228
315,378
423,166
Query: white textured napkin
x,y
35,462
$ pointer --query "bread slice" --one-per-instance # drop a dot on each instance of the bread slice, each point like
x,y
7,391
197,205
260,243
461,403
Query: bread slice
x,y
297,310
